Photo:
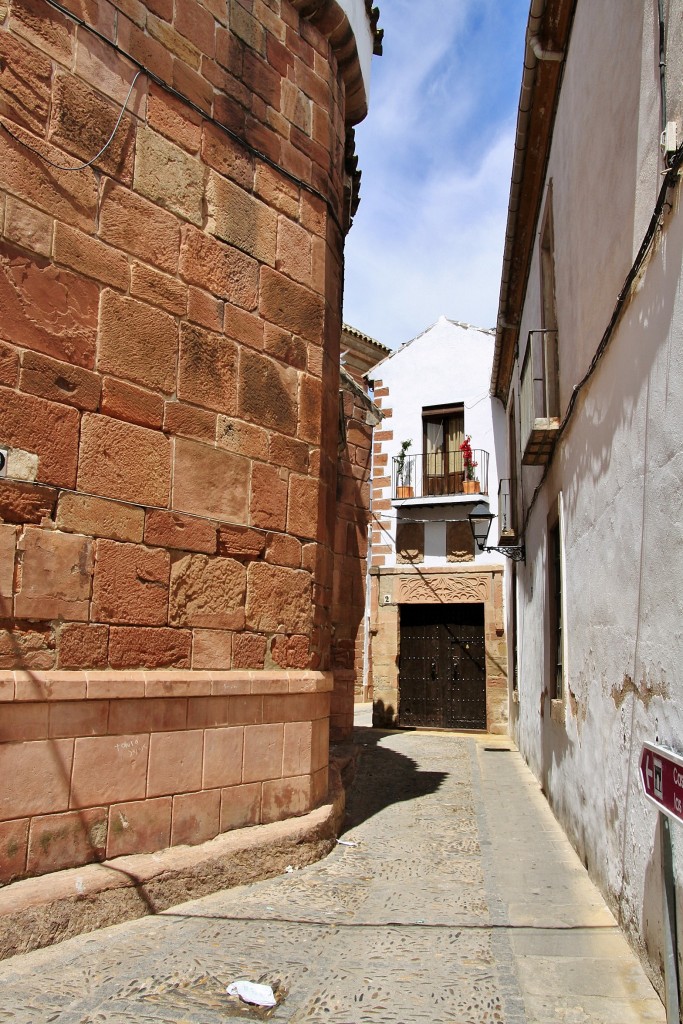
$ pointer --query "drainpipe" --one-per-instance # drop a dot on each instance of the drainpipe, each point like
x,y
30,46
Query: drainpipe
x,y
541,54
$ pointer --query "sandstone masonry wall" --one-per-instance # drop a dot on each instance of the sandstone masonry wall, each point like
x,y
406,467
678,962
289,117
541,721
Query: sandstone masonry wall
x,y
106,764
169,327
350,556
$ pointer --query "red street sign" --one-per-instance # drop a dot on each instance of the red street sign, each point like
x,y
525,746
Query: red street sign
x,y
661,773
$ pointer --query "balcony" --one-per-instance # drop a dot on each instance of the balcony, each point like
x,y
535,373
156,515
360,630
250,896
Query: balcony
x,y
539,400
439,475
507,525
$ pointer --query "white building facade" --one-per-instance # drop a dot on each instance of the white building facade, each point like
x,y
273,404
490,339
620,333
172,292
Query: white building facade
x,y
588,368
436,618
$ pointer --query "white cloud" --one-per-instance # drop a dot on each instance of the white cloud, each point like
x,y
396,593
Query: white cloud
x,y
411,78
435,247
436,153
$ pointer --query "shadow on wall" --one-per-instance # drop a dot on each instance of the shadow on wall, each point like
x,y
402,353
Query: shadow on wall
x,y
384,716
384,778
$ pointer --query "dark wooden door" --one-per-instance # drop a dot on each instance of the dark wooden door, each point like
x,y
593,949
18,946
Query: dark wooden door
x,y
442,666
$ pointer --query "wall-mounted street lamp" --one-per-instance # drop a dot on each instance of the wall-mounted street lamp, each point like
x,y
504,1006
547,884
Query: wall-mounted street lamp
x,y
480,519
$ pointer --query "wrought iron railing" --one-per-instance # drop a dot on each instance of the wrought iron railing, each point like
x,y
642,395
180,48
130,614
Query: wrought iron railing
x,y
538,391
436,474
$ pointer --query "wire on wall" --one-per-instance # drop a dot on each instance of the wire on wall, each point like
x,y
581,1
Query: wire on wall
x,y
143,69
671,180
88,163
662,63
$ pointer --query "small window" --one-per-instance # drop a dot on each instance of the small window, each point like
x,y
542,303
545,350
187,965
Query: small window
x,y
410,542
512,463
443,432
555,618
459,541
513,627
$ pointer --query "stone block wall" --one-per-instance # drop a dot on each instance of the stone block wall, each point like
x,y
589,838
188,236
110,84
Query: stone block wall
x,y
352,516
169,353
104,764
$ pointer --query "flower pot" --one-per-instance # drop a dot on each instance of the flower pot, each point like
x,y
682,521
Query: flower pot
x,y
404,492
470,487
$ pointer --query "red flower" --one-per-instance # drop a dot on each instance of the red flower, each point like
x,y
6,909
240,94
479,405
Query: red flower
x,y
468,457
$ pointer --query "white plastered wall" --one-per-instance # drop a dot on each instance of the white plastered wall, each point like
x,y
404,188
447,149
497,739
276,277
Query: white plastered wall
x,y
619,468
449,363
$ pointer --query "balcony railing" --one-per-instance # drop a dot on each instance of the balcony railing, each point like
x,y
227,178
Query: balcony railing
x,y
439,474
507,525
538,398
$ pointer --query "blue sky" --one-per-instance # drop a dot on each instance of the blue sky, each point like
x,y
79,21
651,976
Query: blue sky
x,y
436,153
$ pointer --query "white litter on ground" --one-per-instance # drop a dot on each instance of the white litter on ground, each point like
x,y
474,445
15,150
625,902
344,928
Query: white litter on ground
x,y
250,992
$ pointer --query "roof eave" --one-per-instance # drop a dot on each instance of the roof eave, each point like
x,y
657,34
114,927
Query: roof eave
x,y
547,40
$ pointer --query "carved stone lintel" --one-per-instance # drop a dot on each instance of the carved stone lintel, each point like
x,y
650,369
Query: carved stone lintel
x,y
468,588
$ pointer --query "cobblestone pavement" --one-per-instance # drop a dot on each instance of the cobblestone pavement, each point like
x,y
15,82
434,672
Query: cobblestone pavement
x,y
441,913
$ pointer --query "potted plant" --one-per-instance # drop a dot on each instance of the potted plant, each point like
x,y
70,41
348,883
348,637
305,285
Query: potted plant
x,y
470,484
404,471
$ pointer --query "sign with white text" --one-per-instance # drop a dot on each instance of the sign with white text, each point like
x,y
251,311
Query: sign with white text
x,y
661,773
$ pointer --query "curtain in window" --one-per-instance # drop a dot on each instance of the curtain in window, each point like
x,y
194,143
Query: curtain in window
x,y
455,435
434,439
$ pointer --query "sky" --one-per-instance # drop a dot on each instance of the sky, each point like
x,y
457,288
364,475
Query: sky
x,y
435,153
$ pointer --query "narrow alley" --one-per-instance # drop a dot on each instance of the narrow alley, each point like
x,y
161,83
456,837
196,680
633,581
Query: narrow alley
x,y
454,898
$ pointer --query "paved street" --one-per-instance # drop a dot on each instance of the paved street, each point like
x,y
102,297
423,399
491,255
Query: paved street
x,y
461,903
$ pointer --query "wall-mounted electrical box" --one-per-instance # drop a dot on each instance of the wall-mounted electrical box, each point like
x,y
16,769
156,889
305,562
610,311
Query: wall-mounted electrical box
x,y
669,138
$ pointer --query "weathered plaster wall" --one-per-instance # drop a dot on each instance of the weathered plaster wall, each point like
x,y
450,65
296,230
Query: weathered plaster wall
x,y
618,470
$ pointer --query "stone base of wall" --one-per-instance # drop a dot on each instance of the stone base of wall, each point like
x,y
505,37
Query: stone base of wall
x,y
393,587
38,912
102,764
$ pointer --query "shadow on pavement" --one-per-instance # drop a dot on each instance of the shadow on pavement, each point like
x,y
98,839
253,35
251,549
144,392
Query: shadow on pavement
x,y
384,777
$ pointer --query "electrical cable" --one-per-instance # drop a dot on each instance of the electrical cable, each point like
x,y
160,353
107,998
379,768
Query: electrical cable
x,y
88,163
263,157
662,62
670,182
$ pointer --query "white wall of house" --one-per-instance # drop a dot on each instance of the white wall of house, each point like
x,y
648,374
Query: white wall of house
x,y
449,363
618,469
